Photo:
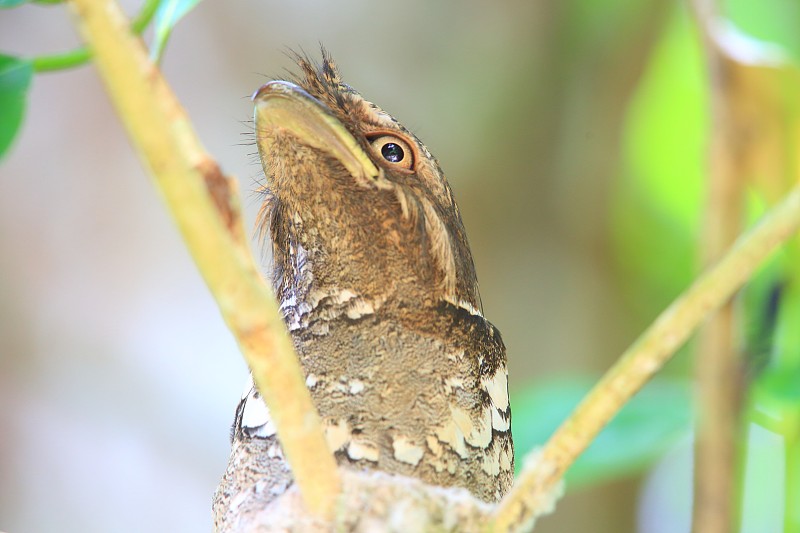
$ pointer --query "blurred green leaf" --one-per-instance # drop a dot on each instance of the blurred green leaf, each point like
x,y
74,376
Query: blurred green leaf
x,y
592,24
12,3
781,386
776,21
760,299
776,400
637,437
787,331
658,201
775,394
15,78
168,14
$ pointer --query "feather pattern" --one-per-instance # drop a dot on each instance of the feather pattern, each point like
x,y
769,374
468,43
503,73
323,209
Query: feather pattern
x,y
379,292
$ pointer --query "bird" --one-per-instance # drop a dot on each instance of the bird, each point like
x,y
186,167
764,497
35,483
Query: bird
x,y
378,290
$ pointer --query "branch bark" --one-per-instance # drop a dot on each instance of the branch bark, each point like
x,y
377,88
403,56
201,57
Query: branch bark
x,y
719,371
718,367
204,205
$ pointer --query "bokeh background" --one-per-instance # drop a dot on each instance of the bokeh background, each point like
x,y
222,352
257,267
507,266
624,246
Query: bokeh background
x,y
572,133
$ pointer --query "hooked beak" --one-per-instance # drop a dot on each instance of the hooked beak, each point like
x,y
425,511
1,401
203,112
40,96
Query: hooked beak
x,y
281,105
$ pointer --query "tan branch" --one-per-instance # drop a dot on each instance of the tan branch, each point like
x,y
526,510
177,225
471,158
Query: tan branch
x,y
718,366
642,360
203,203
747,145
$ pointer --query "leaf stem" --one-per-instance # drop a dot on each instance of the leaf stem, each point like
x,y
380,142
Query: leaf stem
x,y
50,63
80,56
145,15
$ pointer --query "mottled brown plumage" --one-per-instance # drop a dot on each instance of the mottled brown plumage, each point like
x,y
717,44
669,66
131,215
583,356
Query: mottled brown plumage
x,y
378,289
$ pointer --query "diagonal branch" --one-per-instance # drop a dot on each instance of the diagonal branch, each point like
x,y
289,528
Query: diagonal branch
x,y
642,360
203,203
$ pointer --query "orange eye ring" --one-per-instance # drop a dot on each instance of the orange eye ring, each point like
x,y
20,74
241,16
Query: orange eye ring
x,y
394,150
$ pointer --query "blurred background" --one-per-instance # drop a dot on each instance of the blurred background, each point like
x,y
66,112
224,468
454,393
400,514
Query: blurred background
x,y
573,135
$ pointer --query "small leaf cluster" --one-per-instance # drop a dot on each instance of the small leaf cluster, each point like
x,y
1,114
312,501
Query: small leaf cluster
x,y
17,73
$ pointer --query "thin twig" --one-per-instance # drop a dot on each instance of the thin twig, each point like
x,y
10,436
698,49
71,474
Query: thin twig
x,y
642,360
203,203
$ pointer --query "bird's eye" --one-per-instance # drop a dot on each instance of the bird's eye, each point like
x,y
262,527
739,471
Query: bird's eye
x,y
394,150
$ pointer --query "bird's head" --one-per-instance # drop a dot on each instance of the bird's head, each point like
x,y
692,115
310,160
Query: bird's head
x,y
358,210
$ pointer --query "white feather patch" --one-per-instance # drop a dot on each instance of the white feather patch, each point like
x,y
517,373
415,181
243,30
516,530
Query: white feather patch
x,y
466,306
337,434
406,451
358,308
490,463
363,450
256,420
497,388
462,429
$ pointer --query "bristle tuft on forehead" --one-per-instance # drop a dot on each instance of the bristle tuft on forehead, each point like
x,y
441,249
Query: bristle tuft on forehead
x,y
321,80
329,69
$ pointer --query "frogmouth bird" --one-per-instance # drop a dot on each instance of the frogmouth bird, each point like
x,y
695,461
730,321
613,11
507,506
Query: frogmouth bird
x,y
378,290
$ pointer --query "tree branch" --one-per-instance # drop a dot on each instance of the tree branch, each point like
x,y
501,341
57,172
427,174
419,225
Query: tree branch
x,y
751,91
642,360
718,366
203,203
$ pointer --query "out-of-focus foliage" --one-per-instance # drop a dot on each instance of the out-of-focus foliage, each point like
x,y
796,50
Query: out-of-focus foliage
x,y
657,201
775,398
775,21
659,210
773,301
646,428
15,78
658,207
16,73
167,16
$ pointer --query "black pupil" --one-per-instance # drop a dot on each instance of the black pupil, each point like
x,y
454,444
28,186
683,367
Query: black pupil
x,y
392,152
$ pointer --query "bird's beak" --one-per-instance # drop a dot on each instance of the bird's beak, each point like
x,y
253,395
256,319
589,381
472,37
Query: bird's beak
x,y
281,105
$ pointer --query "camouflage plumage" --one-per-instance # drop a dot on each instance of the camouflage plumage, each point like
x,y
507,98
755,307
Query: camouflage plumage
x,y
378,289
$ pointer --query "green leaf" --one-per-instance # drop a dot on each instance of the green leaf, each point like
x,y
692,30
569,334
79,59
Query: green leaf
x,y
776,399
778,389
645,429
781,386
15,78
658,198
787,333
759,303
167,16
11,3
776,21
